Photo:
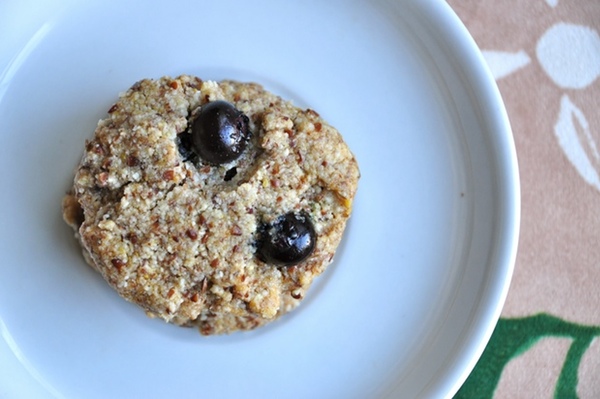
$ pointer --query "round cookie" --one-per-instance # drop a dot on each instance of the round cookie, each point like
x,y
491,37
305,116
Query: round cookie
x,y
183,235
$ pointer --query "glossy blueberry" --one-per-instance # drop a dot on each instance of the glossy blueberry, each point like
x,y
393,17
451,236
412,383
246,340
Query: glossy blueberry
x,y
288,240
220,132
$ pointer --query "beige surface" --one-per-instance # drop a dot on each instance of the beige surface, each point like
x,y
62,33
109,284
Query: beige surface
x,y
546,58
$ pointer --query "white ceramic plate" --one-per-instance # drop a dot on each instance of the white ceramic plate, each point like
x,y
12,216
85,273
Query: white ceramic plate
x,y
417,286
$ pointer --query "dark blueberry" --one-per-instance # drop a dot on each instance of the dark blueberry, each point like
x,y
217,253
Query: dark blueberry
x,y
220,132
184,144
230,174
289,240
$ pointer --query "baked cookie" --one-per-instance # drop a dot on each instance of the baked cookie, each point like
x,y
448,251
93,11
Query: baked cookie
x,y
211,204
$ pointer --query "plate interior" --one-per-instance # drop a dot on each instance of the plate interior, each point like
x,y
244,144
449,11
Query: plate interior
x,y
418,281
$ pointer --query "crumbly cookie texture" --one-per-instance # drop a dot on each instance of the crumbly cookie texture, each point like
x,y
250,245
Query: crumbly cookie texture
x,y
178,237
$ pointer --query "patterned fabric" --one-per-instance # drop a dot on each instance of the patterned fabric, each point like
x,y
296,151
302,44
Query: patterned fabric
x,y
545,56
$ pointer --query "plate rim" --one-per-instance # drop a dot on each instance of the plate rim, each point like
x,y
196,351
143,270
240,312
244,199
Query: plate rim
x,y
503,140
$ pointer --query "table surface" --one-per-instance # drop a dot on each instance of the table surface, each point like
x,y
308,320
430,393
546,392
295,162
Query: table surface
x,y
545,56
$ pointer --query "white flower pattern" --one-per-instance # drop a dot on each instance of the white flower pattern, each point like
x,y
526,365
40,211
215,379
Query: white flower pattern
x,y
570,56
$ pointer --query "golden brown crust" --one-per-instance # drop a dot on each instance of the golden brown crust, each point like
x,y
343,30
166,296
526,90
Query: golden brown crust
x,y
177,239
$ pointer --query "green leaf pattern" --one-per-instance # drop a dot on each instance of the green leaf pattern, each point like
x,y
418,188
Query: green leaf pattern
x,y
513,337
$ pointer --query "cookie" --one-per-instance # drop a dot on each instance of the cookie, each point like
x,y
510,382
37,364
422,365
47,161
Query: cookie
x,y
211,204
